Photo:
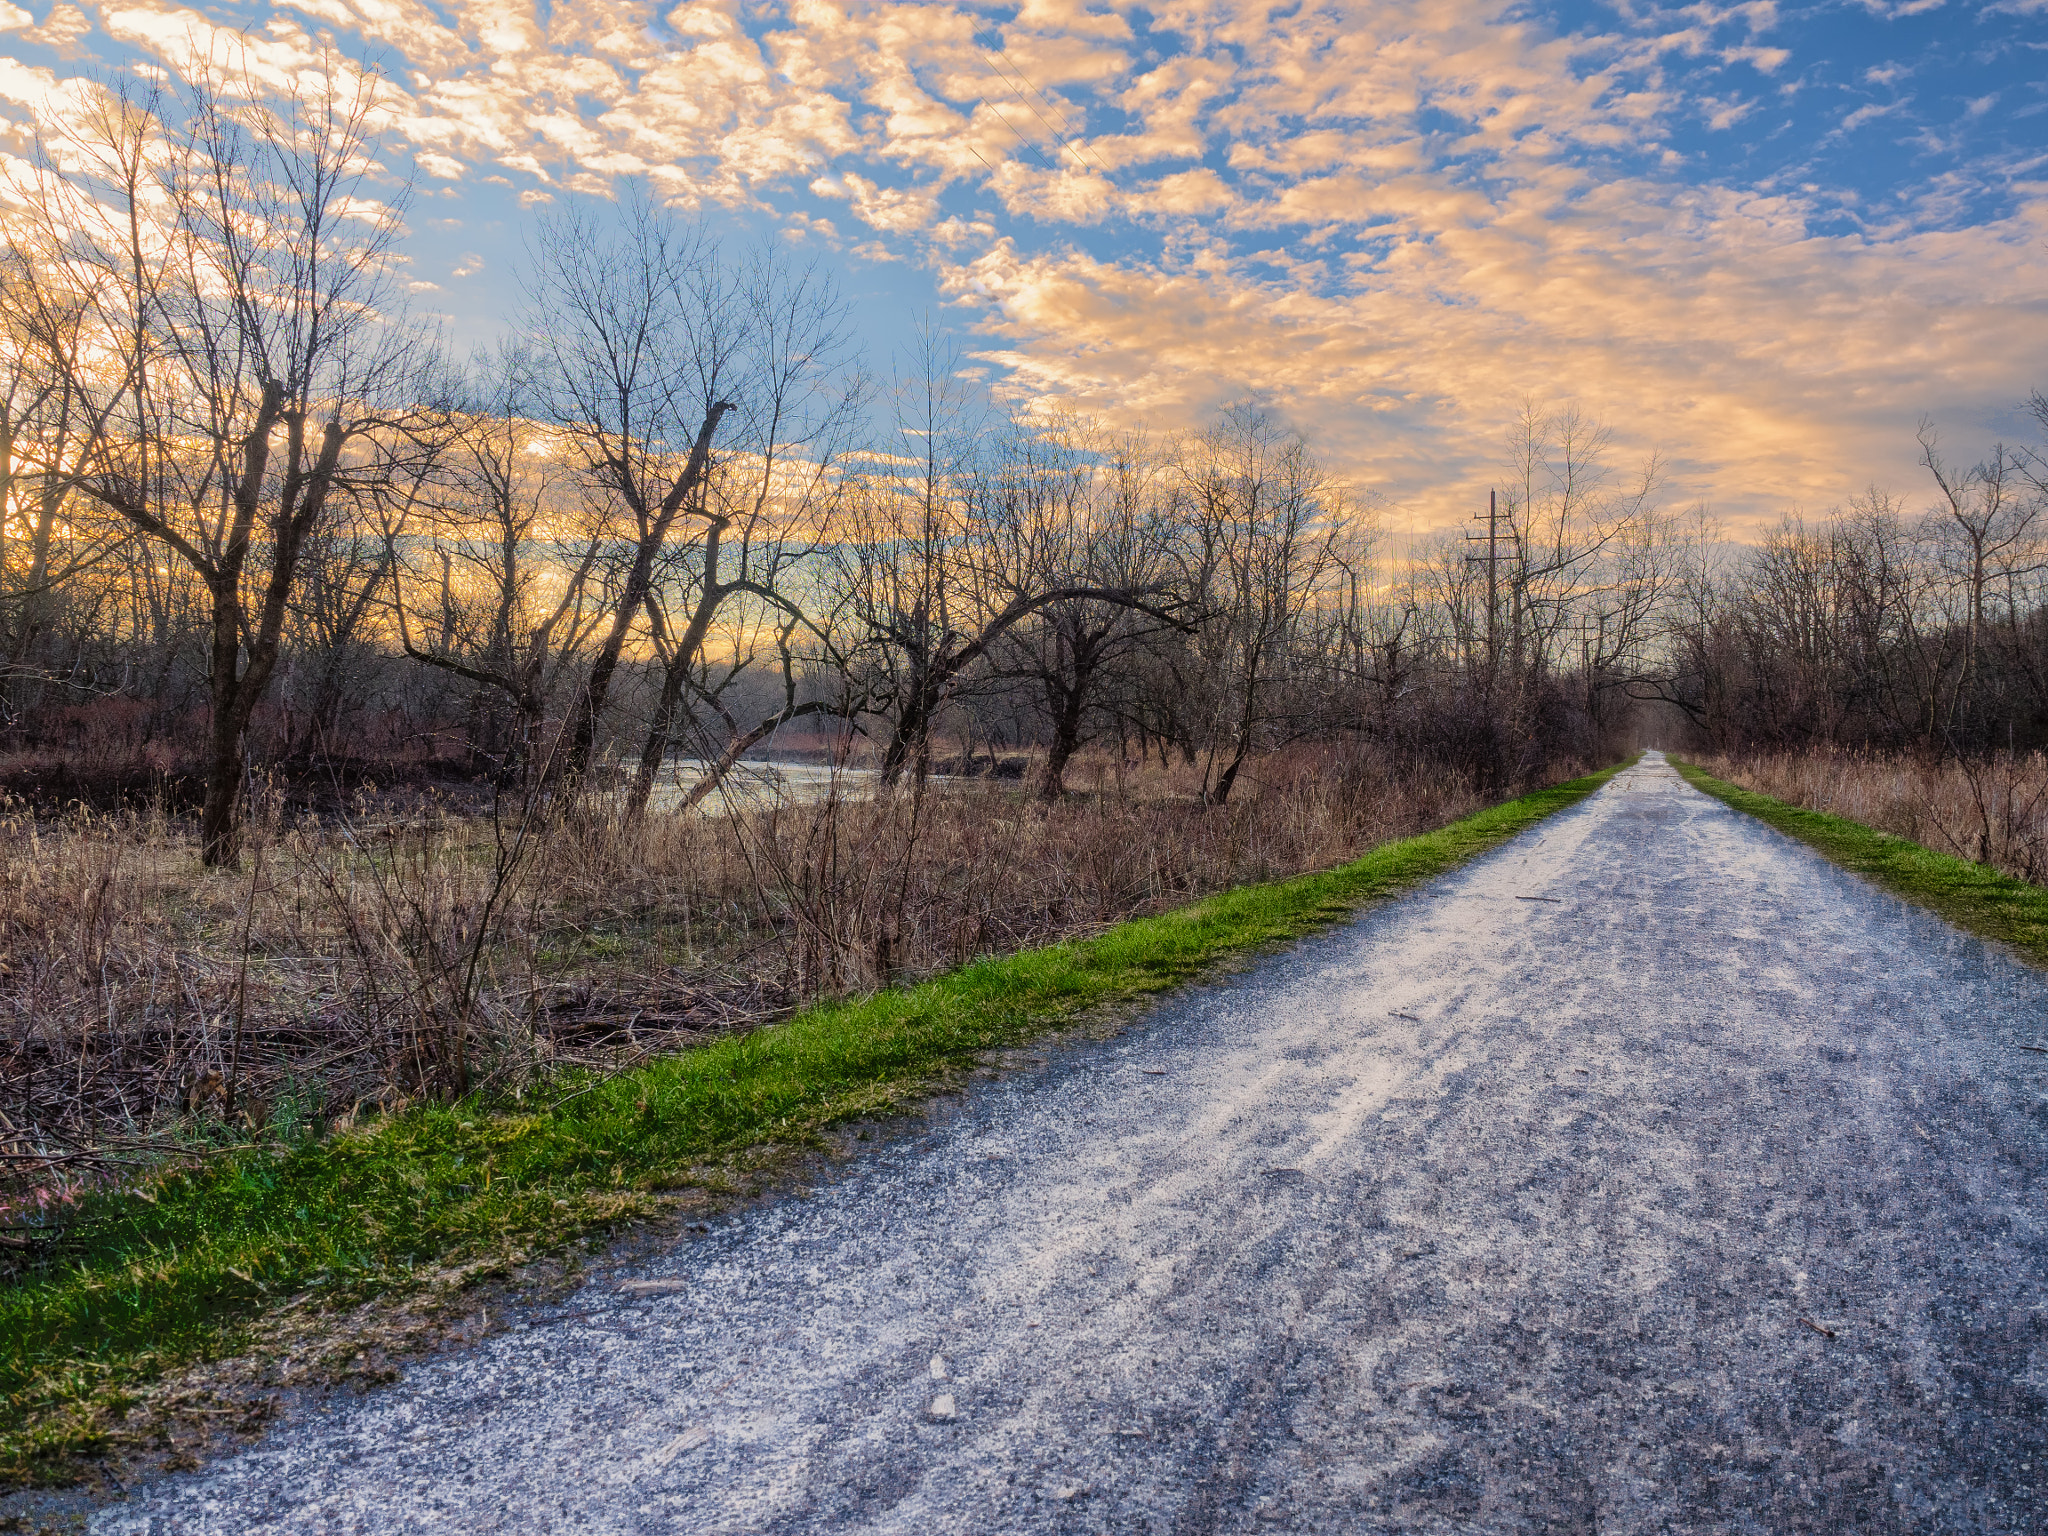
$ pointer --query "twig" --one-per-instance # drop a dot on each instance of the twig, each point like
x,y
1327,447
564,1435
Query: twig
x,y
242,978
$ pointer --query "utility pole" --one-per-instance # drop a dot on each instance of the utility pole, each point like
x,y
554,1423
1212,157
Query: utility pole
x,y
1586,664
1492,558
1493,578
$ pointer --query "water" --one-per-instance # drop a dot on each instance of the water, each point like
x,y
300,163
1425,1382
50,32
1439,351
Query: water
x,y
752,785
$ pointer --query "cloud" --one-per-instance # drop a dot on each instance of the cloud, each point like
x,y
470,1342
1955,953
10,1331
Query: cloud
x,y
1869,113
1767,61
893,210
1391,219
62,29
1722,115
1754,355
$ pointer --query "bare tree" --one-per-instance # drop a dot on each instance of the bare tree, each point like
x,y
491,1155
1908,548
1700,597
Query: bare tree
x,y
1089,510
1994,519
941,552
493,559
761,508
1559,517
1261,526
329,654
1371,640
56,538
246,380
638,331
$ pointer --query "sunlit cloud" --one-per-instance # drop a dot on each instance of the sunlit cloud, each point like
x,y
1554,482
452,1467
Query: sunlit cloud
x,y
1734,232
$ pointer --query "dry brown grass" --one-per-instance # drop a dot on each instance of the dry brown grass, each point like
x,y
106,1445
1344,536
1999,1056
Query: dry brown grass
x,y
383,957
1993,811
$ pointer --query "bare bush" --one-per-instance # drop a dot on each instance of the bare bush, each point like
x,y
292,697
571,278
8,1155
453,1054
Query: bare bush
x,y
1991,810
407,953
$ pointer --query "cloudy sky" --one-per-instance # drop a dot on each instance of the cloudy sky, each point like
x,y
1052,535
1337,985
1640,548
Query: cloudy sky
x,y
1761,238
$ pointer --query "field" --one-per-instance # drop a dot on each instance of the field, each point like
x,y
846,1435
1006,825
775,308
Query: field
x,y
411,949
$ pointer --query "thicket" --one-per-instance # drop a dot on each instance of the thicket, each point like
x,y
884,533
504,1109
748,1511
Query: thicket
x,y
1883,665
1876,628
1990,810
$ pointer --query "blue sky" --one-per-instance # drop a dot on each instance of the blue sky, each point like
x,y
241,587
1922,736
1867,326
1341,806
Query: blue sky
x,y
1759,239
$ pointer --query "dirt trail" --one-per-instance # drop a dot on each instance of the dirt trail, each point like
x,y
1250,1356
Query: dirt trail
x,y
1647,1175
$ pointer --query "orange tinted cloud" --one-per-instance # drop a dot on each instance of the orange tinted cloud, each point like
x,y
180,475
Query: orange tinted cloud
x,y
1391,221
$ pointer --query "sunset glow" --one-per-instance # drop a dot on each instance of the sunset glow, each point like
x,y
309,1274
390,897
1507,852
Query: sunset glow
x,y
1761,240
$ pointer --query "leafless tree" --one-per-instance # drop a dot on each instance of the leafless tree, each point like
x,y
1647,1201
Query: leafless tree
x,y
941,552
768,499
1089,508
48,539
638,330
1261,522
330,656
1996,523
229,249
1560,517
494,554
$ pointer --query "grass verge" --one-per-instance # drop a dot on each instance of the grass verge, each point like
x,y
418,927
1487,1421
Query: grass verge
x,y
1975,897
181,1270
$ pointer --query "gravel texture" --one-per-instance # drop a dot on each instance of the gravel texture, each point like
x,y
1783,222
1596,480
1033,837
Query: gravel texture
x,y
1649,1174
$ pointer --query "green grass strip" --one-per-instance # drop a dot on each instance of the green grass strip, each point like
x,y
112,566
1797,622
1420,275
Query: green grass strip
x,y
1974,897
179,1270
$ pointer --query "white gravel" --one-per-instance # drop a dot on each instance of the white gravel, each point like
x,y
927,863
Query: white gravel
x,y
1704,1194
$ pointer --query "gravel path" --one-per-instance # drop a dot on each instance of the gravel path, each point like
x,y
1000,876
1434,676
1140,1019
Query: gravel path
x,y
1649,1174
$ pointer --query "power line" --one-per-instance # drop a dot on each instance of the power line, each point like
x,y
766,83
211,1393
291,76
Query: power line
x,y
991,45
1020,137
1057,137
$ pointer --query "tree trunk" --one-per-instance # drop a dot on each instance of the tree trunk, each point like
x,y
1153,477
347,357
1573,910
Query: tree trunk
x,y
1066,739
1221,793
913,728
220,842
740,745
659,734
596,690
220,823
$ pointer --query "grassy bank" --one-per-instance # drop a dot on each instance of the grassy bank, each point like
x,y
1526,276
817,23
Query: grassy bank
x,y
141,1282
1974,897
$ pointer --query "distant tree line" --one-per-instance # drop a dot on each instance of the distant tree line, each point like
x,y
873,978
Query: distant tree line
x,y
1876,626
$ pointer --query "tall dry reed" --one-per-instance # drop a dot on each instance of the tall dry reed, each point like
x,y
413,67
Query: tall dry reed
x,y
389,955
1991,811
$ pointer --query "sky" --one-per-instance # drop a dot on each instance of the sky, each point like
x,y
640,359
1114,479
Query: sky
x,y
1760,240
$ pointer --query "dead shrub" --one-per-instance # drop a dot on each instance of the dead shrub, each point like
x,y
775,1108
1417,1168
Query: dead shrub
x,y
385,955
1992,810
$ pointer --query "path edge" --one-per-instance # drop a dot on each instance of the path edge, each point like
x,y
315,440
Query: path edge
x,y
1972,897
